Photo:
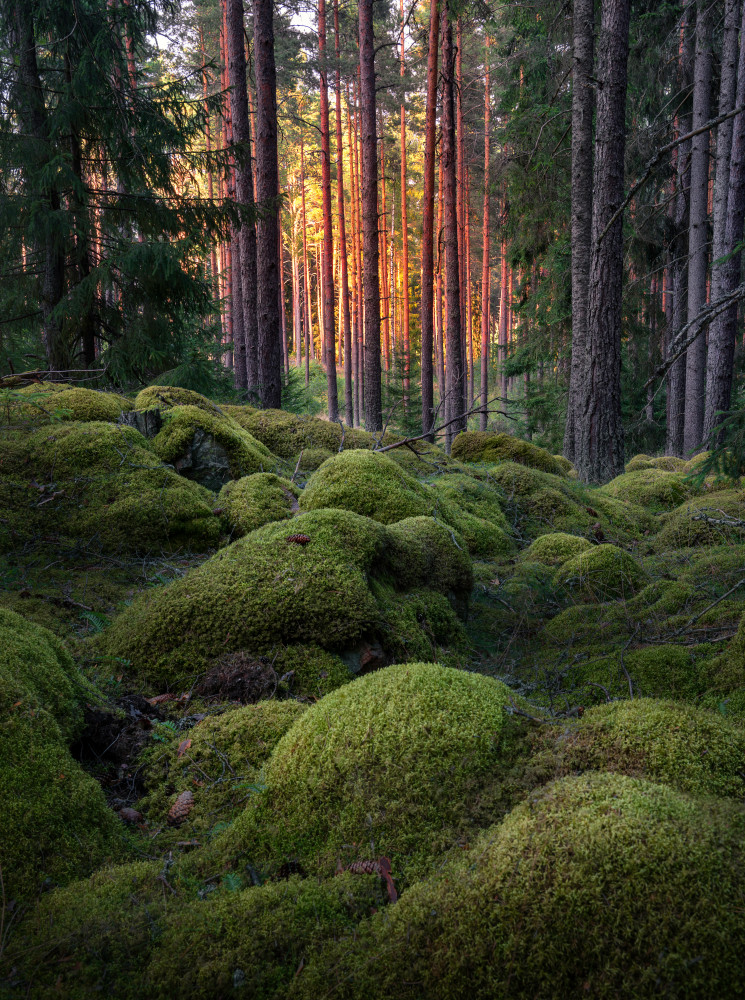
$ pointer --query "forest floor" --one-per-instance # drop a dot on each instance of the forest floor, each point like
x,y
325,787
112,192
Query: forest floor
x,y
287,716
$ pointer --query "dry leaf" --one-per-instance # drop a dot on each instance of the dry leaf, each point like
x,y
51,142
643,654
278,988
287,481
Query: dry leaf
x,y
183,747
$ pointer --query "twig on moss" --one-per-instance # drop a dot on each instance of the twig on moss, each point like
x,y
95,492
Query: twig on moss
x,y
692,621
297,467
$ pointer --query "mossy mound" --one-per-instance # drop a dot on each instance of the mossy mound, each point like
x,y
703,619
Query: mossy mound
x,y
218,761
59,401
669,463
704,521
652,488
555,548
599,886
286,434
550,510
475,496
310,459
566,465
165,397
253,501
209,448
623,521
92,937
376,486
100,484
689,748
256,942
422,625
601,573
267,590
403,762
481,446
665,671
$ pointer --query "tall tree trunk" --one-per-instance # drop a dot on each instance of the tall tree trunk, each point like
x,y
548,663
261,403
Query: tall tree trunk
x,y
383,231
583,102
404,226
469,317
461,193
208,141
356,299
504,321
268,265
698,237
346,322
306,268
721,351
454,351
485,272
244,241
327,281
373,409
725,331
428,222
440,346
600,456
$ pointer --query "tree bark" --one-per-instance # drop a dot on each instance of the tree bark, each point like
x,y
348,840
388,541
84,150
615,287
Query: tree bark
x,y
721,351
404,228
600,456
327,278
454,350
428,221
245,326
268,265
371,284
345,312
698,236
485,271
583,102
306,270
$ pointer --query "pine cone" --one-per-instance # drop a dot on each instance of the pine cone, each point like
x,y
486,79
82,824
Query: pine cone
x,y
365,868
298,539
181,808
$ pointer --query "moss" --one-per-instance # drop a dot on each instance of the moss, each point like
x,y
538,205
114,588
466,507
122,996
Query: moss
x,y
601,573
286,434
655,671
555,548
549,510
516,481
480,446
232,452
374,485
220,765
70,403
654,489
54,824
253,501
314,671
398,762
165,397
481,499
93,937
37,672
310,459
102,485
257,941
669,463
565,464
621,520
262,592
688,748
685,527
600,886
422,625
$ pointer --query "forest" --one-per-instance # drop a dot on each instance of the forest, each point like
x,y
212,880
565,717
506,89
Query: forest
x,y
372,514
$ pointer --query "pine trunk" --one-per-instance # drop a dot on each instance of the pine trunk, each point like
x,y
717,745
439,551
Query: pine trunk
x,y
485,271
404,228
428,222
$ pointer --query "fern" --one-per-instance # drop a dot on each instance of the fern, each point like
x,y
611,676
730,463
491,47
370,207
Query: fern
x,y
96,622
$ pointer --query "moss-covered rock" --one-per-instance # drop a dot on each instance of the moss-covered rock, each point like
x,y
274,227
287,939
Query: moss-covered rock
x,y
704,521
481,446
209,448
92,937
165,397
256,942
218,761
59,401
101,484
477,497
422,625
664,671
601,573
253,501
653,488
310,459
376,486
566,465
550,510
670,463
555,548
599,886
286,434
691,749
403,762
266,591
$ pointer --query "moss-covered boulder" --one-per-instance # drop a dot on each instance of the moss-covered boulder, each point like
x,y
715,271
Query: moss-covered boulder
x,y
555,548
601,573
287,434
256,942
209,448
54,401
689,748
664,671
599,885
713,519
669,463
92,937
655,489
102,485
481,446
280,586
310,459
376,486
165,397
218,761
253,501
478,497
405,762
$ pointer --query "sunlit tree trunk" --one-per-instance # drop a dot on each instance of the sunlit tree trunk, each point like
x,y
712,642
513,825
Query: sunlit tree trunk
x,y
428,219
485,271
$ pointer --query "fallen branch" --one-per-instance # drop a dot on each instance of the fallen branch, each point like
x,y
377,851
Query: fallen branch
x,y
436,430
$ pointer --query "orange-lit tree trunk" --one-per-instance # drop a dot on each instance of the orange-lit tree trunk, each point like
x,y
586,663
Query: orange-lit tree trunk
x,y
306,270
404,229
383,234
485,272
348,404
428,223
356,305
327,276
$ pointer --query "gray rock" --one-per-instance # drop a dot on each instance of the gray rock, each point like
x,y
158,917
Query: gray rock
x,y
205,461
